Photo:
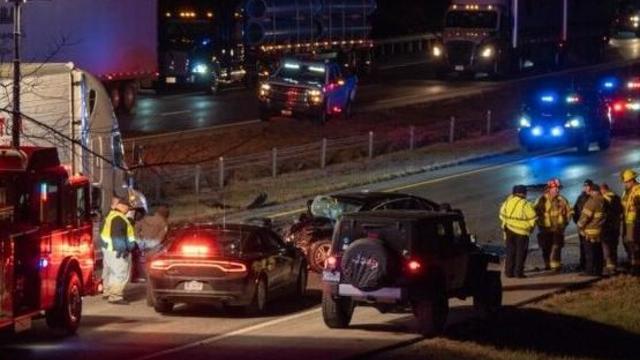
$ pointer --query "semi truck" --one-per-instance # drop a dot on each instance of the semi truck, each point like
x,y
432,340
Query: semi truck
x,y
68,108
500,37
212,44
113,39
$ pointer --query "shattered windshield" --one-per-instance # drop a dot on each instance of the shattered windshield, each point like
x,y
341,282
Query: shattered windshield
x,y
332,208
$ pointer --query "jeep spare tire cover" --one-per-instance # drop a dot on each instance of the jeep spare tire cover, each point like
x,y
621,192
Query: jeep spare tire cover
x,y
365,264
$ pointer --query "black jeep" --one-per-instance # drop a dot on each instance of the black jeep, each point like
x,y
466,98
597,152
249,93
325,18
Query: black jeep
x,y
406,261
312,232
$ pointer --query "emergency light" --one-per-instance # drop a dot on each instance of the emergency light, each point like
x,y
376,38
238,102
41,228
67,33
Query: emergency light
x,y
43,192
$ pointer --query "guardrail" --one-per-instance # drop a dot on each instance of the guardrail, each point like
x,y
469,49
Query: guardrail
x,y
162,181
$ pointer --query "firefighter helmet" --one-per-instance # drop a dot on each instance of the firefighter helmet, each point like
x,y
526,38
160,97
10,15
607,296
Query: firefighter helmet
x,y
553,183
628,175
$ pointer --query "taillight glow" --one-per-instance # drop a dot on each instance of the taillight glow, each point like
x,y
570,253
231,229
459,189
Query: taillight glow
x,y
633,85
618,106
414,266
336,110
194,250
225,266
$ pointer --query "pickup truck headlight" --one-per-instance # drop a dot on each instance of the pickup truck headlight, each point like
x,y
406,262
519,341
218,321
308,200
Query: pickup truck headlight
x,y
264,89
487,52
314,96
437,51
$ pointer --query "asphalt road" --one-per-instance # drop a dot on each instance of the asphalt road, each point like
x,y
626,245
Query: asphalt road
x,y
391,87
294,329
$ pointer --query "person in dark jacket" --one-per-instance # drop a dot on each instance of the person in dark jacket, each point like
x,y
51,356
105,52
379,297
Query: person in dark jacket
x,y
577,211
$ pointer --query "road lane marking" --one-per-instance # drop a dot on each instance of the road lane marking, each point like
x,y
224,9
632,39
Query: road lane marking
x,y
170,113
218,338
441,179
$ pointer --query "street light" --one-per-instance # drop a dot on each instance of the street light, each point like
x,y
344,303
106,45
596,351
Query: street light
x,y
17,120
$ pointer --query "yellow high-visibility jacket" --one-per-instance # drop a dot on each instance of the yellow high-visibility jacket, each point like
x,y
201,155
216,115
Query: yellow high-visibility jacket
x,y
518,215
630,205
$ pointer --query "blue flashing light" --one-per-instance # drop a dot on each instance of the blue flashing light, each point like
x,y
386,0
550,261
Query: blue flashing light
x,y
536,131
206,42
557,131
608,84
548,98
525,122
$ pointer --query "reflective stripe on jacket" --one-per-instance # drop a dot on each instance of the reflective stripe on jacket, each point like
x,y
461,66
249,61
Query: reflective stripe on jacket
x,y
518,215
106,235
592,218
553,213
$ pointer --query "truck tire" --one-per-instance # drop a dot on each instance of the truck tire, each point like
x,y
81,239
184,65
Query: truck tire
x,y
488,299
367,264
67,312
115,96
318,253
336,312
431,315
605,140
129,96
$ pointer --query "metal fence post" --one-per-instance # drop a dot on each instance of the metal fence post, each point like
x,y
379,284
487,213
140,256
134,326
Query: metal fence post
x,y
323,153
452,129
197,179
412,137
274,162
370,144
221,172
488,122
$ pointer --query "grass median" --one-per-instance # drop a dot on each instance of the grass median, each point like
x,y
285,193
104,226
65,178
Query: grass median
x,y
598,322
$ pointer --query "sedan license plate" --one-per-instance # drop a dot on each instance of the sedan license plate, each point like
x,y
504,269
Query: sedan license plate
x,y
170,80
331,276
459,68
193,286
286,112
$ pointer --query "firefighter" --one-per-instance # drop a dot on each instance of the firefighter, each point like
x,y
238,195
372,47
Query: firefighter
x,y
518,221
611,231
577,211
553,211
631,226
590,225
150,233
118,240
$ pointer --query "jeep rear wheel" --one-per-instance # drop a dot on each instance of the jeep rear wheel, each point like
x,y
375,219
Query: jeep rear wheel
x,y
336,312
431,315
488,300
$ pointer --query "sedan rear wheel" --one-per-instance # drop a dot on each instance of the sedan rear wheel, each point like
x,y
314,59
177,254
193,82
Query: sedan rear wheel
x,y
259,302
319,254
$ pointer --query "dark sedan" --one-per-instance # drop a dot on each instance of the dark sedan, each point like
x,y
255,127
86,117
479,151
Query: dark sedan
x,y
230,265
312,232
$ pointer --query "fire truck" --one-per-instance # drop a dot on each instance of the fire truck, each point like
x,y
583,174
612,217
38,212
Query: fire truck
x,y
47,258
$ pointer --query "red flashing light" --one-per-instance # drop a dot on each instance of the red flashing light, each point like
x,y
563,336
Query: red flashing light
x,y
194,250
336,110
414,266
619,106
633,85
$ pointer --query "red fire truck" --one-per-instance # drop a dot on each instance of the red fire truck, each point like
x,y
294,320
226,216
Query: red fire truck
x,y
46,240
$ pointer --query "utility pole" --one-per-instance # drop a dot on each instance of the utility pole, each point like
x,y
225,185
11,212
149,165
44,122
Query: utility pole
x,y
17,76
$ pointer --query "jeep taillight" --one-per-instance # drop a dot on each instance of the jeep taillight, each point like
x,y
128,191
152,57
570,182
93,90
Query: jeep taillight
x,y
331,263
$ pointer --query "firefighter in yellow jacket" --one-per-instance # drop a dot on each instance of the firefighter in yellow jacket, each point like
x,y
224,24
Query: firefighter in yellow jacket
x,y
631,222
554,212
591,224
518,221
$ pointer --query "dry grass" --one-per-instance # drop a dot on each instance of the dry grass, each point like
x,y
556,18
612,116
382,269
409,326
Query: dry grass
x,y
600,322
308,183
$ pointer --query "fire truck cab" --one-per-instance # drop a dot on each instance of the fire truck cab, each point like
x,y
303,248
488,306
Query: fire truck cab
x,y
46,240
